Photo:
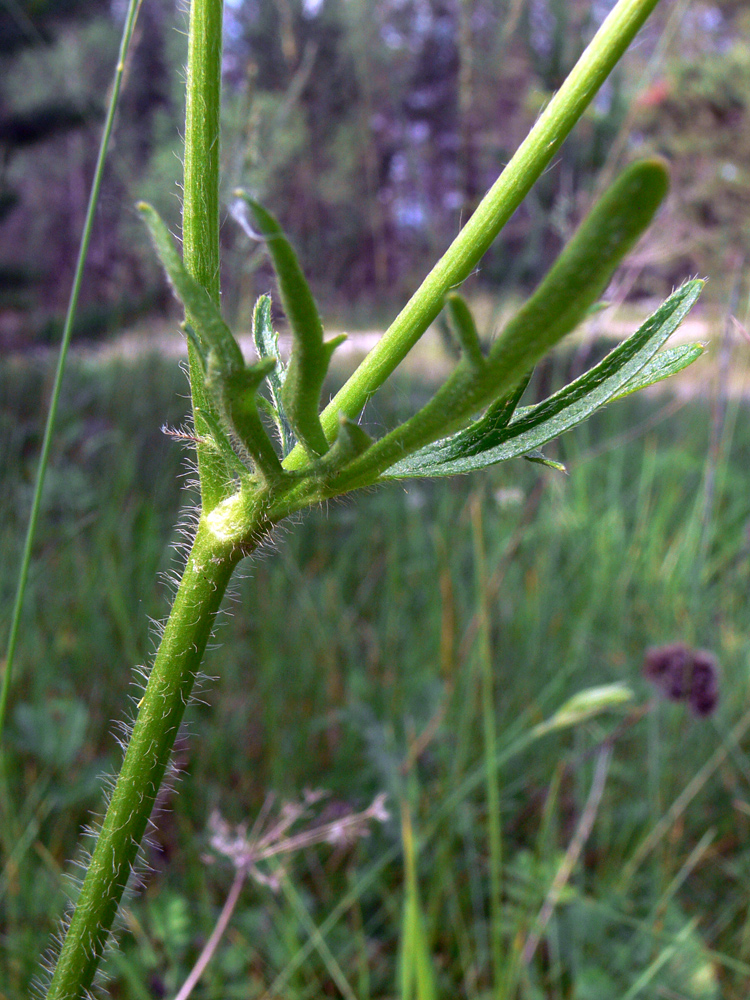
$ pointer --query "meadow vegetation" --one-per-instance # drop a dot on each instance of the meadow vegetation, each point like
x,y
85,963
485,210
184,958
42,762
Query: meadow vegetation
x,y
382,692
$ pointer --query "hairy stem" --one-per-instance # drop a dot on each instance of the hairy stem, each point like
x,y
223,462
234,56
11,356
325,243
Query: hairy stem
x,y
200,210
209,567
495,209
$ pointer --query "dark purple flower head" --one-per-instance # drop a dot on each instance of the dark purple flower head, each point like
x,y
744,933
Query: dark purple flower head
x,y
668,669
704,683
683,674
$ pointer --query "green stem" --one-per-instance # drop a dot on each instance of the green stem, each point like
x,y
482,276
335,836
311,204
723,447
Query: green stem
x,y
495,209
23,575
200,210
209,567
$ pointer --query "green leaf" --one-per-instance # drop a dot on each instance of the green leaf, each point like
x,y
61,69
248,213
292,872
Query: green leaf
x,y
416,967
661,366
266,341
573,284
498,415
351,441
541,459
586,705
235,393
464,328
583,270
485,443
231,384
267,345
211,330
218,439
311,356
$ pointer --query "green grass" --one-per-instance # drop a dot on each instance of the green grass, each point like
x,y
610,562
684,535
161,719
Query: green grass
x,y
371,648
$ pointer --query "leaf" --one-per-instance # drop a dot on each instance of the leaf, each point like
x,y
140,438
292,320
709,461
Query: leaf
x,y
540,459
219,440
311,356
662,366
416,968
573,284
463,326
232,385
583,270
586,705
267,342
485,443
235,393
267,345
500,413
207,322
351,441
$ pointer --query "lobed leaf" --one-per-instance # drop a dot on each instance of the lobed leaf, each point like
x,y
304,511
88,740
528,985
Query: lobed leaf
x,y
212,332
464,328
266,341
232,385
583,270
488,441
351,441
235,393
573,284
311,356
220,442
500,413
661,366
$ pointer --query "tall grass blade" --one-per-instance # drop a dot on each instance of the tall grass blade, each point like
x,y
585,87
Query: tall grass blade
x,y
492,782
23,574
416,972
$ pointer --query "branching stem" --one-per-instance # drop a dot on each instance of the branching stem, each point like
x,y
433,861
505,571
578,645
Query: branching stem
x,y
233,522
492,213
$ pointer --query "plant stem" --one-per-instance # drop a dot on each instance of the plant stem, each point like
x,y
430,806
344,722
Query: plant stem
x,y
209,567
495,209
23,575
200,210
216,935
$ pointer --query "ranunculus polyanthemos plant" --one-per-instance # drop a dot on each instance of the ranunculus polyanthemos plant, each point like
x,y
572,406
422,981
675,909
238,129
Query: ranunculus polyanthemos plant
x,y
265,450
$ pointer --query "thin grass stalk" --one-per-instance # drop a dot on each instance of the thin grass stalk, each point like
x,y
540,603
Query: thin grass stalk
x,y
70,315
492,780
313,932
693,787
